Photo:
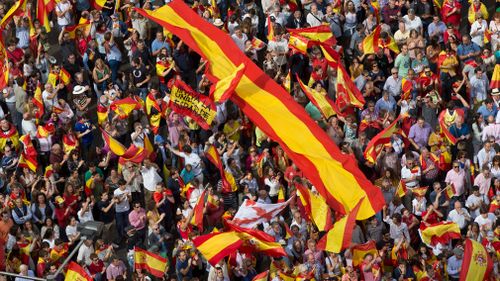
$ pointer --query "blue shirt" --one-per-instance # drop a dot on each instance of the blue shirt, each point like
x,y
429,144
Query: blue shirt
x,y
81,128
389,105
458,132
23,34
464,50
454,267
487,113
114,54
158,45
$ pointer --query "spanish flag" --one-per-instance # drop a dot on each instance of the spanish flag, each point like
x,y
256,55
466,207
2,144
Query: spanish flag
x,y
270,29
317,34
331,56
420,191
125,106
18,7
320,214
76,273
257,241
373,42
261,276
9,136
38,102
495,78
258,44
216,246
340,236
70,143
346,86
211,202
198,210
158,113
336,176
4,63
445,130
102,114
115,146
406,88
98,4
65,76
298,43
42,13
281,195
152,263
224,88
402,189
375,146
325,105
29,154
449,191
71,30
360,251
48,171
440,232
45,131
477,264
228,184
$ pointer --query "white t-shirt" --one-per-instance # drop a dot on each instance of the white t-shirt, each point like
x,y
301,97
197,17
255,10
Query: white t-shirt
x,y
486,222
406,174
66,19
194,160
71,230
124,205
474,200
29,127
455,217
150,178
49,103
416,23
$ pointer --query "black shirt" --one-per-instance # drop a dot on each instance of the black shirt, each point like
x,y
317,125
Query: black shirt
x,y
103,216
139,75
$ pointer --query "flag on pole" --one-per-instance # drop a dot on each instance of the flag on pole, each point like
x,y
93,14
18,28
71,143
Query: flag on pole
x,y
340,236
402,189
270,29
216,246
4,63
197,218
346,86
76,273
152,263
335,176
477,263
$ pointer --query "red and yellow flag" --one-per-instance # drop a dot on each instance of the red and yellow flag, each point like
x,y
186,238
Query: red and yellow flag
x,y
125,106
45,130
449,191
440,232
257,43
29,154
420,191
346,86
263,276
38,102
298,43
224,88
406,87
373,42
401,191
336,176
197,218
495,78
281,194
16,9
77,273
228,182
477,263
156,114
152,263
316,35
42,13
216,246
325,105
270,29
4,63
331,56
65,76
48,171
257,241
445,130
340,236
361,250
375,146
102,114
320,214
71,30
70,143
98,4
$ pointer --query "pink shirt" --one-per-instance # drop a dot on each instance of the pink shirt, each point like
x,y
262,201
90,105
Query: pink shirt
x,y
458,180
137,218
483,183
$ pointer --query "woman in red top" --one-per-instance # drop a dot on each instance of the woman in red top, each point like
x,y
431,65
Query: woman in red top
x,y
71,199
431,216
96,267
450,12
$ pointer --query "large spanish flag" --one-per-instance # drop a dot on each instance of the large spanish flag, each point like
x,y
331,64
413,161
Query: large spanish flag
x,y
298,43
360,251
317,34
216,246
228,182
477,264
76,273
335,176
197,218
125,106
115,146
441,232
16,9
495,79
340,236
327,107
375,146
320,214
152,263
42,13
4,63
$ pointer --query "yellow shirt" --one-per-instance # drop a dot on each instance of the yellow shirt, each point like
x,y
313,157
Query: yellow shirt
x,y
260,136
228,130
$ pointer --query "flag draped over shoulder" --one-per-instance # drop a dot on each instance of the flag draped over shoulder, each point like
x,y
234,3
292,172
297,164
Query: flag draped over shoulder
x,y
252,213
4,63
28,158
441,232
320,214
359,252
216,246
187,102
477,264
76,273
445,130
150,262
340,236
375,146
336,176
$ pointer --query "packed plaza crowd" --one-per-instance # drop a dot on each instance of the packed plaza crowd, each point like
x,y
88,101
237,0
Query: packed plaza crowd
x,y
61,82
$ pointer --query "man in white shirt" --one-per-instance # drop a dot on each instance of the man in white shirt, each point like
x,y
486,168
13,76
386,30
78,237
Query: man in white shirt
x,y
85,251
150,179
475,201
49,96
412,21
239,38
278,48
190,158
410,173
28,125
315,17
477,30
485,155
459,215
63,11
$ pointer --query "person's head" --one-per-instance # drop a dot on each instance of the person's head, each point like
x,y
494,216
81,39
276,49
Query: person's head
x,y
396,219
5,215
478,72
182,255
466,39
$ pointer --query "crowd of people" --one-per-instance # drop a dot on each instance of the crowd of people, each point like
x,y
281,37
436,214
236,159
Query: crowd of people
x,y
60,78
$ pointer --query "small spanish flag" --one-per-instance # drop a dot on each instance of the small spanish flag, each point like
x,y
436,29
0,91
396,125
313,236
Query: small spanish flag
x,y
152,263
71,30
346,86
115,146
340,236
228,182
440,232
495,78
319,34
38,101
69,143
257,241
281,194
445,130
477,264
216,246
257,43
48,171
325,105
270,29
76,273
65,76
98,4
197,218
406,87
125,106
402,189
360,251
224,88
102,114
420,191
375,146
298,43
261,276
449,191
45,130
